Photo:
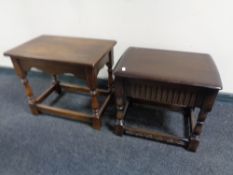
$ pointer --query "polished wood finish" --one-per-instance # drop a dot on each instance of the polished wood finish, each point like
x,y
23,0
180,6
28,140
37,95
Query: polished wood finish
x,y
179,81
62,49
196,69
57,55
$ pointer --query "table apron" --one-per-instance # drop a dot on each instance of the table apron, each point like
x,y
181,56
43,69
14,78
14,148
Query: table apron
x,y
55,68
170,94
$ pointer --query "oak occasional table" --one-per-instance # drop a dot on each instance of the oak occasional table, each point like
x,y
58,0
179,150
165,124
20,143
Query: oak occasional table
x,y
179,81
58,55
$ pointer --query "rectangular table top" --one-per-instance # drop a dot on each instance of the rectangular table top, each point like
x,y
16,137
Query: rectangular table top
x,y
195,69
63,49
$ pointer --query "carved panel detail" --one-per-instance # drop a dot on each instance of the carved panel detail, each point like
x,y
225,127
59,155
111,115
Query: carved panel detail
x,y
163,94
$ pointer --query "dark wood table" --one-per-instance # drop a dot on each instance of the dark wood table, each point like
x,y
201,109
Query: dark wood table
x,y
58,55
179,81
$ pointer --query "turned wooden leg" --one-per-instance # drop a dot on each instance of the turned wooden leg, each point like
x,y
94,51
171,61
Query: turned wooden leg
x,y
109,65
96,122
194,139
119,129
28,90
57,83
120,105
29,94
91,76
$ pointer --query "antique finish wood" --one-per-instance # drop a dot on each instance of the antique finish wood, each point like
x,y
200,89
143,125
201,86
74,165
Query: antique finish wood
x,y
178,81
57,55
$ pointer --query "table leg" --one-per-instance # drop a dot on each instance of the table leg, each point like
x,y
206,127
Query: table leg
x,y
92,83
119,117
109,65
95,108
28,89
57,84
194,139
119,129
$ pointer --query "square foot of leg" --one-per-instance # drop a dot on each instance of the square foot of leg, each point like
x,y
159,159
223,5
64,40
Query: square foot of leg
x,y
96,123
34,110
193,145
119,130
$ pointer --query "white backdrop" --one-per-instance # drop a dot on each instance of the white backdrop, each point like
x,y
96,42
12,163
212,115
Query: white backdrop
x,y
186,25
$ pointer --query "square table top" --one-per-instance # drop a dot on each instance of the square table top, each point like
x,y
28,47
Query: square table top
x,y
195,69
63,49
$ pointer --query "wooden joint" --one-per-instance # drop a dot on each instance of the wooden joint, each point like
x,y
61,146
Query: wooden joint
x,y
120,108
24,81
119,122
93,92
96,113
